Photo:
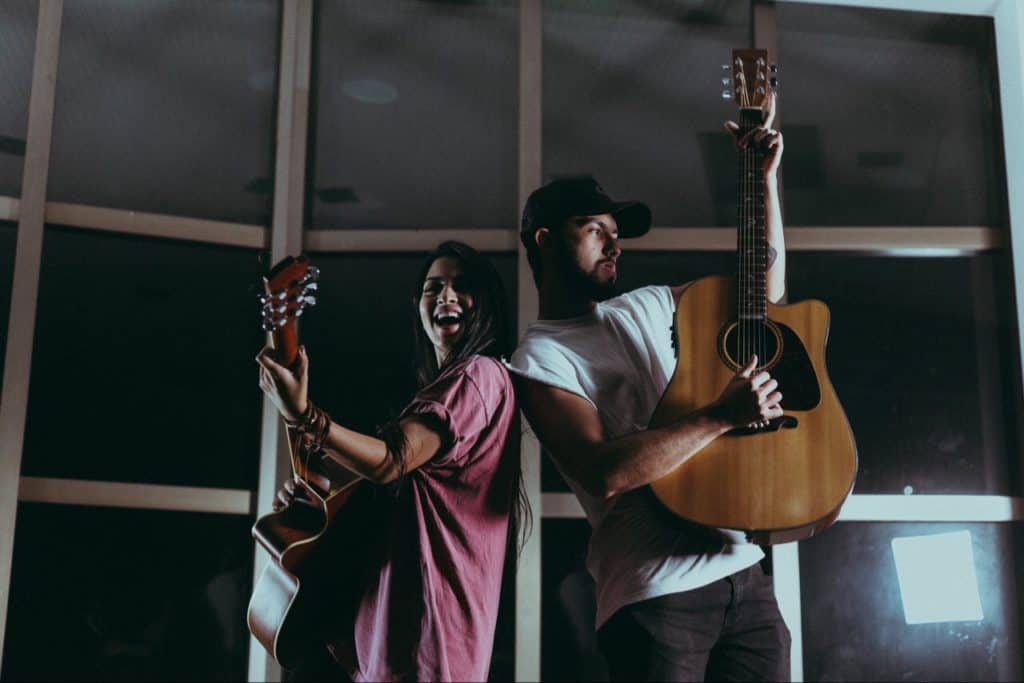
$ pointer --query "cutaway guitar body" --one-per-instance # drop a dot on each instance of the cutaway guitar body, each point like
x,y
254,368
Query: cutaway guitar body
x,y
300,587
780,483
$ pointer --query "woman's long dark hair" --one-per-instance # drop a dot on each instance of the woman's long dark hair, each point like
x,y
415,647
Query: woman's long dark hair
x,y
488,333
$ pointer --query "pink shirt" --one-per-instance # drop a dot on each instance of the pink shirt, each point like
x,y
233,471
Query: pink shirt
x,y
429,613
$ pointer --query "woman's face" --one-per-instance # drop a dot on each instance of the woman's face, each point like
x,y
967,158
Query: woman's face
x,y
445,305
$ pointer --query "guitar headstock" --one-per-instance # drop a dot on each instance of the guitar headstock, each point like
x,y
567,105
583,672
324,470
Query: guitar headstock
x,y
288,290
752,78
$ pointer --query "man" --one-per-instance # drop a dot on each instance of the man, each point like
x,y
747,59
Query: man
x,y
675,601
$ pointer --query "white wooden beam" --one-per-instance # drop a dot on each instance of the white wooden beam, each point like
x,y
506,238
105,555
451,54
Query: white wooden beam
x,y
285,240
911,241
786,580
156,225
408,240
1009,28
528,578
972,7
25,284
906,240
136,496
10,208
870,508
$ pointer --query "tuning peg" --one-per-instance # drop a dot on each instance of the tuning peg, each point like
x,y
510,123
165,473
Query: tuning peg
x,y
727,94
727,82
774,68
264,299
311,285
773,83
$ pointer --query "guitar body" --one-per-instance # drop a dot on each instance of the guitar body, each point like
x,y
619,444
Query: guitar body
x,y
781,483
301,590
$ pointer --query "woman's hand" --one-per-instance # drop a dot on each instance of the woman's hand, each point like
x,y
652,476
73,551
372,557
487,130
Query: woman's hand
x,y
286,387
284,496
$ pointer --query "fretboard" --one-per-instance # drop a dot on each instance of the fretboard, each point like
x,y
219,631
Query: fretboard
x,y
752,243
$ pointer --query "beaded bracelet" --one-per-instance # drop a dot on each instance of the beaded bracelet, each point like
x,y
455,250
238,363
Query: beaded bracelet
x,y
314,423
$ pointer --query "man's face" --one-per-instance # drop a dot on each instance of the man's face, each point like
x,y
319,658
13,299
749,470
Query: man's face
x,y
587,252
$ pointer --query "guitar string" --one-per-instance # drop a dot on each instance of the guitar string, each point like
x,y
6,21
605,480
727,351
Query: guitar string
x,y
758,239
741,283
748,246
757,229
744,257
740,330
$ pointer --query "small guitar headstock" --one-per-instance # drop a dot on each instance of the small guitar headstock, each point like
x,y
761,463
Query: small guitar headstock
x,y
752,78
288,290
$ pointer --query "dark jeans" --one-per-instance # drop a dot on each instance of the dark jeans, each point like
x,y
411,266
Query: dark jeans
x,y
729,630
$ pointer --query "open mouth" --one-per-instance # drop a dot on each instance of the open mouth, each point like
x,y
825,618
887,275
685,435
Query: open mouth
x,y
448,321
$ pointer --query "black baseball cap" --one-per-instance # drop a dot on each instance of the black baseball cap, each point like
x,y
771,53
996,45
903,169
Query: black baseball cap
x,y
560,200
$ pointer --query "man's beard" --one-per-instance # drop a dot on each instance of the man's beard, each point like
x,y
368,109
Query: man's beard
x,y
581,281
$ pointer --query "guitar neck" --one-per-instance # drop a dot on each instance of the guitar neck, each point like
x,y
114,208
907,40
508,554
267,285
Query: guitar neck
x,y
752,242
286,343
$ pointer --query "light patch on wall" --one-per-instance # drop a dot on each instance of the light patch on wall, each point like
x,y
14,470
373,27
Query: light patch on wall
x,y
937,578
370,91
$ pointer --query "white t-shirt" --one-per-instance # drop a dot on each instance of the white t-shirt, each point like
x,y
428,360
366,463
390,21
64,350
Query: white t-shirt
x,y
620,358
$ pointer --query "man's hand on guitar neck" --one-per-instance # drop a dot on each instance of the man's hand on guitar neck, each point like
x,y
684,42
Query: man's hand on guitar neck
x,y
764,138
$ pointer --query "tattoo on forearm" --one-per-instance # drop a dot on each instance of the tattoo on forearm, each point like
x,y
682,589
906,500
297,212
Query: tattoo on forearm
x,y
772,255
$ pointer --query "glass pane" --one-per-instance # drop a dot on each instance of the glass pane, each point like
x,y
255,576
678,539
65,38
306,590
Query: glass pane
x,y
108,594
167,107
360,335
8,243
922,354
854,625
415,114
890,118
143,367
632,96
17,50
568,613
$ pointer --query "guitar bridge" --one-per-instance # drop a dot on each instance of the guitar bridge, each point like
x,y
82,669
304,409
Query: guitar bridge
x,y
774,425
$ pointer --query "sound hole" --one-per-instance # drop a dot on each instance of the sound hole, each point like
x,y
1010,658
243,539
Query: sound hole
x,y
741,339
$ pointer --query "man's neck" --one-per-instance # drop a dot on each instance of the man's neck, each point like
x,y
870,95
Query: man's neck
x,y
559,302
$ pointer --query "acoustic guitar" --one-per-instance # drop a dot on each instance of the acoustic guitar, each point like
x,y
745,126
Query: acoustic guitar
x,y
289,608
786,480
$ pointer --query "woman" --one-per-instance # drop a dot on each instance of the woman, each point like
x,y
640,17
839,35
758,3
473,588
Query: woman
x,y
429,607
